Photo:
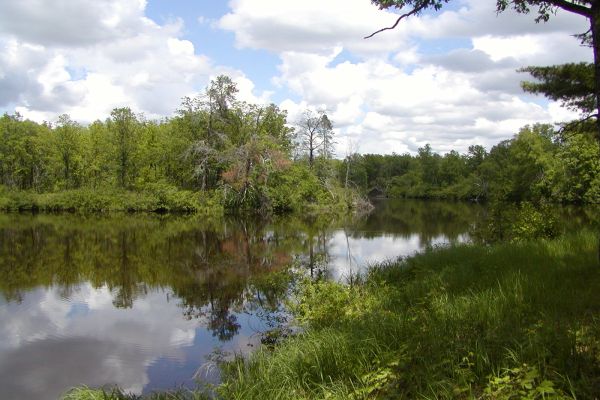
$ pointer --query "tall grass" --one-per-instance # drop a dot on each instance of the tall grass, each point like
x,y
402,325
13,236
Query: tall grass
x,y
85,393
518,320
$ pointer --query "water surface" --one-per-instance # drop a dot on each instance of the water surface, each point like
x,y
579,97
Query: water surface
x,y
145,302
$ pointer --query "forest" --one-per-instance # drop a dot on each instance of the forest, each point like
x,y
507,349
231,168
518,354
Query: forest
x,y
538,163
216,152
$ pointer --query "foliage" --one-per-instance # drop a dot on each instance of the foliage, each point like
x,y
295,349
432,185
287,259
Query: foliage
x,y
84,393
320,302
536,164
517,222
524,382
297,187
571,84
152,198
575,173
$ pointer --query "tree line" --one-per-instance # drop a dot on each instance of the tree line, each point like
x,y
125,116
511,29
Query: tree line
x,y
538,163
246,153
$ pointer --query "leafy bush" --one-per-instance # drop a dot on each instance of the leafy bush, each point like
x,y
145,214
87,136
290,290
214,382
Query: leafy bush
x,y
153,198
295,189
517,222
524,382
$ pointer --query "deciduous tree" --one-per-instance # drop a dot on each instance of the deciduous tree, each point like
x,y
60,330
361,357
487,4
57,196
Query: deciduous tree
x,y
315,133
125,128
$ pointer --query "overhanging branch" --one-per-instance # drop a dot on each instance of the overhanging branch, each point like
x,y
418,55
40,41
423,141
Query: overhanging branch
x,y
574,124
400,18
572,7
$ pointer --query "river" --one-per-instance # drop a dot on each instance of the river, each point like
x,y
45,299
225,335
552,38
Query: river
x,y
148,302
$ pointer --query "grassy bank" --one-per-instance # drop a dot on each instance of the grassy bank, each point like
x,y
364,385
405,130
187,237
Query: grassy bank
x,y
509,321
155,198
165,198
84,393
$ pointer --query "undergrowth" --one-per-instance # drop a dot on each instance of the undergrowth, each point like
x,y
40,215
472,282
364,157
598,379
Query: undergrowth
x,y
153,198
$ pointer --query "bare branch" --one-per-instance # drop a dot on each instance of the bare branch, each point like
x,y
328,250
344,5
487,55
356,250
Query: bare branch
x,y
574,124
400,18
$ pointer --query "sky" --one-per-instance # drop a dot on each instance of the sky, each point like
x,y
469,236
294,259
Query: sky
x,y
447,78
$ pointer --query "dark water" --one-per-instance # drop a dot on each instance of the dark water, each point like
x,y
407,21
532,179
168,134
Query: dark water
x,y
146,302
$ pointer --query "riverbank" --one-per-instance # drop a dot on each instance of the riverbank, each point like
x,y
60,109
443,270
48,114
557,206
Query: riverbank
x,y
167,199
489,322
157,198
508,321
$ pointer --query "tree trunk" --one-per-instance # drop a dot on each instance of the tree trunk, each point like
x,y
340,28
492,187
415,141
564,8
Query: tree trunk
x,y
311,149
595,28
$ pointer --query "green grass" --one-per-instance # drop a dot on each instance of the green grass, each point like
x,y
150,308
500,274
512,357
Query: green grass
x,y
154,198
85,393
518,320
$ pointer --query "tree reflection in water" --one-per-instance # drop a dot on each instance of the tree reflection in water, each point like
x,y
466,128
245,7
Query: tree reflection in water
x,y
208,268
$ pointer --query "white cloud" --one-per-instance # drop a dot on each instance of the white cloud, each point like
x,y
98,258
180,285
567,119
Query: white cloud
x,y
120,58
70,22
309,26
450,98
443,78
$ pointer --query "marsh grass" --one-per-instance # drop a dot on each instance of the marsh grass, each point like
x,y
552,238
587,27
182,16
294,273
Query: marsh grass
x,y
516,320
85,393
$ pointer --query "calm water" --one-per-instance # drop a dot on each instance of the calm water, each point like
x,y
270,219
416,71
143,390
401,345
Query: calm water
x,y
145,302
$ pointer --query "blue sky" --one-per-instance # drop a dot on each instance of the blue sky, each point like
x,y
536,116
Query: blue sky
x,y
219,45
446,78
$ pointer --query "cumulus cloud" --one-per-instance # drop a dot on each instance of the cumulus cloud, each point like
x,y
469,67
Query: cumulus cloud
x,y
86,57
71,22
400,91
448,78
310,26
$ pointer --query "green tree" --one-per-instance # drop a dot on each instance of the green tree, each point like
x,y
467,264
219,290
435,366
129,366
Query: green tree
x,y
259,147
354,173
124,127
214,109
151,153
430,167
452,168
575,172
571,84
531,154
67,142
97,151
24,152
475,156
